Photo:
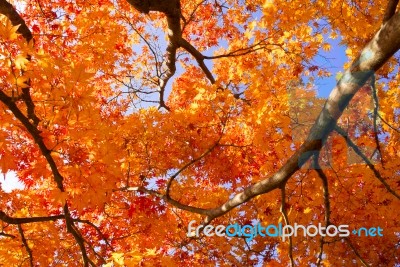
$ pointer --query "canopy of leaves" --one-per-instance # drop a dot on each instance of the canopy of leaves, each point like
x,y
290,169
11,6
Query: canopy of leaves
x,y
126,120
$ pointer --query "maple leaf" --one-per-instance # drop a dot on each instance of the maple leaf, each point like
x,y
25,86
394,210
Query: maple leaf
x,y
133,124
8,31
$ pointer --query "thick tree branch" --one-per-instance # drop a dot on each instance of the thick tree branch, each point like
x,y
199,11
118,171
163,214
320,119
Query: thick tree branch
x,y
30,106
382,46
35,133
390,10
173,12
199,58
9,11
10,220
375,117
174,35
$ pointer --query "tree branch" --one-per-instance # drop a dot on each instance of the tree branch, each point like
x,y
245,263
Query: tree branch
x,y
28,249
367,161
169,200
199,58
97,230
387,123
375,117
390,10
10,220
356,252
327,205
9,11
78,238
187,165
7,235
35,133
286,219
173,12
382,46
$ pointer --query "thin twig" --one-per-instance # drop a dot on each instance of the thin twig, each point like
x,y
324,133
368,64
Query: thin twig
x,y
286,219
327,205
367,161
356,252
28,249
187,165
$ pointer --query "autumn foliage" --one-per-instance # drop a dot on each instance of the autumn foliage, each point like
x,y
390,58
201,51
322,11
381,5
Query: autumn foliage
x,y
126,120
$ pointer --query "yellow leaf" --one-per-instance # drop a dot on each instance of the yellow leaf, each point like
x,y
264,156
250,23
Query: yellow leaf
x,y
118,258
7,30
20,62
268,4
151,252
307,210
326,47
21,82
133,259
248,34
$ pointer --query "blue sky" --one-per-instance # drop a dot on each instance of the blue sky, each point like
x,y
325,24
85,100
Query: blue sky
x,y
333,60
